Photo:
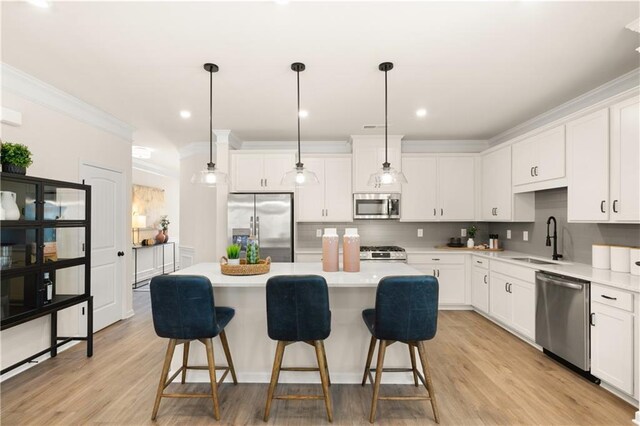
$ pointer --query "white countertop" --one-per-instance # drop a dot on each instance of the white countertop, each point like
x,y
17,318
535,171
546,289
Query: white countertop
x,y
623,281
369,275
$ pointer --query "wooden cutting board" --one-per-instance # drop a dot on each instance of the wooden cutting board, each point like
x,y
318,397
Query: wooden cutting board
x,y
466,248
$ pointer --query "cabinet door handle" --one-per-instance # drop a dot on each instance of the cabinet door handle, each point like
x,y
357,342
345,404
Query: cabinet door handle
x,y
435,258
438,271
608,297
434,272
266,182
614,206
592,319
479,261
602,206
496,211
510,285
441,212
505,287
535,171
326,212
485,279
531,171
434,212
120,253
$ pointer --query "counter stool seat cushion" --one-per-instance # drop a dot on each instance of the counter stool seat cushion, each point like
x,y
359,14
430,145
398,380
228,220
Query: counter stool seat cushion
x,y
369,317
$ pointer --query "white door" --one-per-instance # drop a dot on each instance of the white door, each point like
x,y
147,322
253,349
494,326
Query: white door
x,y
550,158
419,195
456,188
275,166
107,230
480,289
338,198
588,168
496,185
523,303
451,281
625,161
310,204
612,346
525,157
499,298
248,172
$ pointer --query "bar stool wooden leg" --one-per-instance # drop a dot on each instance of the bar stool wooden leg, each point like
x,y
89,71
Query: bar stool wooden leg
x,y
326,364
227,354
275,374
372,348
324,378
163,377
208,343
376,386
185,361
427,375
412,354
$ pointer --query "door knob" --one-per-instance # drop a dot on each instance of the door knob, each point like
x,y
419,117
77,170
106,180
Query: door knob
x,y
120,253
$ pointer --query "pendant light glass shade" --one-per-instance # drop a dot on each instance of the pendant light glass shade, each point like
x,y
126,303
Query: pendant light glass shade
x,y
386,175
210,176
299,175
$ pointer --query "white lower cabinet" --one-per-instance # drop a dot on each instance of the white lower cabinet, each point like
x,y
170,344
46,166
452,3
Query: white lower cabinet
x,y
480,285
450,272
513,302
612,337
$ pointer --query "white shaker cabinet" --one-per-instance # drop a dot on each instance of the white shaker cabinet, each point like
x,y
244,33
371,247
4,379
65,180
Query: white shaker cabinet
x,y
539,158
588,168
260,172
449,269
612,337
368,156
512,301
625,161
439,188
480,284
331,200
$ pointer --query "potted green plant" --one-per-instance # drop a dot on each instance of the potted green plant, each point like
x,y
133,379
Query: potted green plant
x,y
471,232
164,224
233,254
15,158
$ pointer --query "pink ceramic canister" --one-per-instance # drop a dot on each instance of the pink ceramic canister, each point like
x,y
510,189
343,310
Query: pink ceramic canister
x,y
330,250
351,250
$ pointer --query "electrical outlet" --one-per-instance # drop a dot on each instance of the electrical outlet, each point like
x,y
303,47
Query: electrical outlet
x,y
420,233
525,235
319,233
508,234
463,232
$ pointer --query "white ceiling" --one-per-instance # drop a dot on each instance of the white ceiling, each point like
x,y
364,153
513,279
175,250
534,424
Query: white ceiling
x,y
479,68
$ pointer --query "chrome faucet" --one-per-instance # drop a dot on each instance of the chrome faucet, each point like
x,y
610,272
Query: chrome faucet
x,y
555,255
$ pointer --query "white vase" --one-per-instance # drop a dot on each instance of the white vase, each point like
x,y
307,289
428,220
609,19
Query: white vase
x,y
470,243
9,206
234,261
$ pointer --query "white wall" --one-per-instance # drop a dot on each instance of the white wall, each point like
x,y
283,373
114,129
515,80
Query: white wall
x,y
59,144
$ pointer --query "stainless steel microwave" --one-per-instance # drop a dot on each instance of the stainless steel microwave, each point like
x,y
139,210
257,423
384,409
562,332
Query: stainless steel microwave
x,y
376,206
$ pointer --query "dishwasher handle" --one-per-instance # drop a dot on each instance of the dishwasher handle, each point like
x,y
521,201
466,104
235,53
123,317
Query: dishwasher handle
x,y
560,282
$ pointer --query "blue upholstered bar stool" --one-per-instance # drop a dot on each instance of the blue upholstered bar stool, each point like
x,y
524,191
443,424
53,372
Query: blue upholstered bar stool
x,y
184,310
406,311
298,311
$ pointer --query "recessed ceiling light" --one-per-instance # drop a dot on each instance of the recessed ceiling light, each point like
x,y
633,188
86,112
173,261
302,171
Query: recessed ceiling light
x,y
40,3
303,113
185,114
421,112
141,152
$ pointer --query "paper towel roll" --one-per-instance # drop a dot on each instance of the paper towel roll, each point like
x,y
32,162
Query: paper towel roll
x,y
620,258
601,256
634,256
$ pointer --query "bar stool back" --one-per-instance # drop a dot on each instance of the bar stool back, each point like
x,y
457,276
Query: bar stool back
x,y
298,311
183,310
406,311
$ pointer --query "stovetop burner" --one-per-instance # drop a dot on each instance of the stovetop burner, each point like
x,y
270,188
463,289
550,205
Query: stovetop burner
x,y
388,253
381,248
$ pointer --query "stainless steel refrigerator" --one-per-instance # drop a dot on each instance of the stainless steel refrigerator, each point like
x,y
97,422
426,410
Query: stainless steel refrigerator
x,y
267,216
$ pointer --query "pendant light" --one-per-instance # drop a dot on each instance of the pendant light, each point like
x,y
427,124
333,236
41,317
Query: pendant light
x,y
299,175
210,176
387,175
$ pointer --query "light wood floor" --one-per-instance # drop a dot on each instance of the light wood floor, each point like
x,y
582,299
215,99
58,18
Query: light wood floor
x,y
482,375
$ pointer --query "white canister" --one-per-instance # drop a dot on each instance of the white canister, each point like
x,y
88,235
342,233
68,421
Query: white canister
x,y
601,256
620,258
634,257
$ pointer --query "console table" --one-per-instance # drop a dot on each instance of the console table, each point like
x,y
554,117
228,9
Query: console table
x,y
139,283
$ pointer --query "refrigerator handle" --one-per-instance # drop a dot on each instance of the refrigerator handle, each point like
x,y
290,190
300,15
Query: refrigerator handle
x,y
258,229
251,230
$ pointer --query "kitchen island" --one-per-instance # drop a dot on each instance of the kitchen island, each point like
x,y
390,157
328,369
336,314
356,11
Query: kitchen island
x,y
253,351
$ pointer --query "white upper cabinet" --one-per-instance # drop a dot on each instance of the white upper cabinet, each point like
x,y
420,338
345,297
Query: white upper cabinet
x,y
540,160
332,199
439,188
625,161
260,172
368,156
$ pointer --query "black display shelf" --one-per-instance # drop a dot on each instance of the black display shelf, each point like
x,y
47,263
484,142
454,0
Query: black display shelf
x,y
36,251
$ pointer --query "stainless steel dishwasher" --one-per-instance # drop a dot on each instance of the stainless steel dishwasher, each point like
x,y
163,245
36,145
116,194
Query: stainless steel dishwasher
x,y
562,320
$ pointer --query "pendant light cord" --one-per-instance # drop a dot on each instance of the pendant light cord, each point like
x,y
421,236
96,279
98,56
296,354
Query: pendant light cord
x,y
299,164
386,150
210,117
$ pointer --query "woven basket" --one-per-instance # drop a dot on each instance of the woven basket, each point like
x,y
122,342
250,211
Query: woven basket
x,y
262,267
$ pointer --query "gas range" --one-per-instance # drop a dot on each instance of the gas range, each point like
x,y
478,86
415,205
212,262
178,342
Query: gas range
x,y
383,253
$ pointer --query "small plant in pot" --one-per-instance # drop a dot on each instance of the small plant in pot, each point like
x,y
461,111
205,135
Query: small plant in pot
x,y
471,232
164,224
233,254
15,158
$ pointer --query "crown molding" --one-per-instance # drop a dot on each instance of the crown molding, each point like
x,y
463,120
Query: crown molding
x,y
319,147
29,87
445,146
147,167
617,86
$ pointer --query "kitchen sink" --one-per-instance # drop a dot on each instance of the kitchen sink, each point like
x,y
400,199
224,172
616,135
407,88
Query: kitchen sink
x,y
532,260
